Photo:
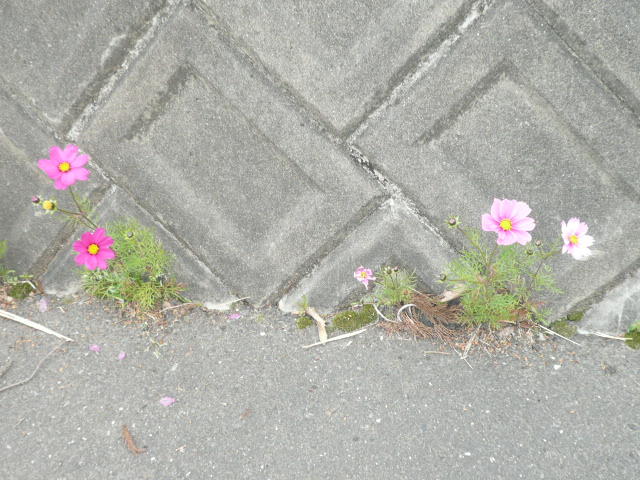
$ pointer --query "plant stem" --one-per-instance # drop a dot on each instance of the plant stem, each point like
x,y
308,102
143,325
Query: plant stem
x,y
86,219
486,260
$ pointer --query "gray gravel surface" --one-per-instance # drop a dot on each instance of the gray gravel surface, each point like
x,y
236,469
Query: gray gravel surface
x,y
251,403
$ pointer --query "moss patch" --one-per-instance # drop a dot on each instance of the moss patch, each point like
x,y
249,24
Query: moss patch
x,y
575,316
304,322
635,339
350,320
20,291
564,328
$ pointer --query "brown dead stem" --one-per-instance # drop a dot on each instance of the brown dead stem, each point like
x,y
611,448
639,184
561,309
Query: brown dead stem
x,y
439,314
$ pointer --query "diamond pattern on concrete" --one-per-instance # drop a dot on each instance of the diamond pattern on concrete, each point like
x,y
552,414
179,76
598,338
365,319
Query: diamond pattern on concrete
x,y
393,235
226,161
609,32
340,56
80,40
523,119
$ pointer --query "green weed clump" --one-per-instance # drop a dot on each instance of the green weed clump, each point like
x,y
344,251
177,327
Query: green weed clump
x,y
19,286
141,273
634,335
393,287
500,284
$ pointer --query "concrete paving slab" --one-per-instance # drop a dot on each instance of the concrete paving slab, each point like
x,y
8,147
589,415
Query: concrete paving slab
x,y
62,277
511,113
393,235
57,54
226,160
604,35
617,311
340,57
32,236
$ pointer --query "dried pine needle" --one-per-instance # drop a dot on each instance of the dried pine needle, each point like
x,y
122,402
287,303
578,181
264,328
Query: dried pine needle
x,y
129,441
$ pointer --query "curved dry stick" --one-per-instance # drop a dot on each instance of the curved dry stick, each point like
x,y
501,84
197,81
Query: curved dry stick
x,y
34,372
401,309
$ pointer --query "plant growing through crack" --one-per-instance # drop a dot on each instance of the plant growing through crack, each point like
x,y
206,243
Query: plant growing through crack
x,y
129,264
501,282
140,275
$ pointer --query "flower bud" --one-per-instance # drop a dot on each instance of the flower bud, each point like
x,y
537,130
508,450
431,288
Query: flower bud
x,y
529,252
538,243
452,221
129,234
35,199
443,277
50,205
396,268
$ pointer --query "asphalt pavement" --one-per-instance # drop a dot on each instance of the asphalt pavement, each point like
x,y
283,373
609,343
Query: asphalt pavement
x,y
250,402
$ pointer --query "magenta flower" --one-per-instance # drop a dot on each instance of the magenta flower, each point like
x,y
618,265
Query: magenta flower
x,y
94,249
576,242
65,166
364,275
508,218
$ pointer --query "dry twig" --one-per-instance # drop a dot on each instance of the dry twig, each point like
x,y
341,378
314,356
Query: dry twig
x,y
5,368
31,324
339,337
34,372
548,330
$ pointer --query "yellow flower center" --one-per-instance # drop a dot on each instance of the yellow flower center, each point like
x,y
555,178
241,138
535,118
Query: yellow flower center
x,y
573,239
47,205
363,274
64,167
505,224
93,249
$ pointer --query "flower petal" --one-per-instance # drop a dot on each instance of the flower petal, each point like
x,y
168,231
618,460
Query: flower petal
x,y
81,259
79,161
60,185
526,223
166,401
91,262
49,167
55,153
489,224
105,242
98,235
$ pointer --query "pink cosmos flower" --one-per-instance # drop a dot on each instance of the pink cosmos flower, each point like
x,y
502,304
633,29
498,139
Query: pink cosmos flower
x,y
364,275
94,249
508,218
65,166
576,242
